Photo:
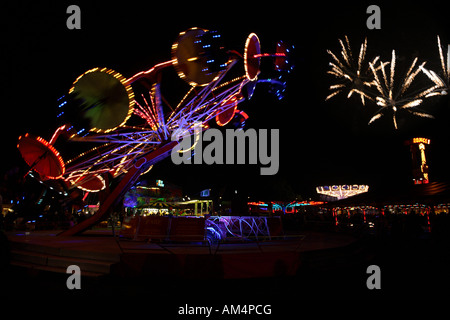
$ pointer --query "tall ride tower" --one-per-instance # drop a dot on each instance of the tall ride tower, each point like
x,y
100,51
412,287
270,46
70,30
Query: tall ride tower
x,y
418,148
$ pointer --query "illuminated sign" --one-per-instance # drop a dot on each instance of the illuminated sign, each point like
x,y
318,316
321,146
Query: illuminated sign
x,y
205,193
421,140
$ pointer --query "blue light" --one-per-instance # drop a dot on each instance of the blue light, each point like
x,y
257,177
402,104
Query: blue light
x,y
277,207
213,235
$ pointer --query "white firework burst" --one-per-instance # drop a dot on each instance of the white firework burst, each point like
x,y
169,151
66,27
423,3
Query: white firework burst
x,y
353,74
393,96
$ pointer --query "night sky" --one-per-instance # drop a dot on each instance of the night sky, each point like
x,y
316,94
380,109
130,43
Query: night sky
x,y
320,142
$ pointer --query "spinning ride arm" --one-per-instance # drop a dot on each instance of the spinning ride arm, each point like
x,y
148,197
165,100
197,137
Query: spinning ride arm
x,y
117,194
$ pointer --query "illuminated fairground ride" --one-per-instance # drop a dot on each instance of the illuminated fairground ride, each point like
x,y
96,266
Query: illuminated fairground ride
x,y
342,191
124,134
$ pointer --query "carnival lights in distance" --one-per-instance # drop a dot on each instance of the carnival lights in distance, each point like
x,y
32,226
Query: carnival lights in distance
x,y
342,191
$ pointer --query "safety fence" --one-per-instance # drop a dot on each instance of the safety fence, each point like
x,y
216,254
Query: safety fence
x,y
212,229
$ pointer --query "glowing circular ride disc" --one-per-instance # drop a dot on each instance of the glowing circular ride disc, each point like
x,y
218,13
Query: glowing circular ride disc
x,y
198,56
102,101
252,64
88,182
224,117
41,156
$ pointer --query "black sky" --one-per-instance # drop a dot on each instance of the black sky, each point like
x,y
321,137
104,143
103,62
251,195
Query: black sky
x,y
321,142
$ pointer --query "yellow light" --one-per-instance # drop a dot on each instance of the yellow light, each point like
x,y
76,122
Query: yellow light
x,y
421,140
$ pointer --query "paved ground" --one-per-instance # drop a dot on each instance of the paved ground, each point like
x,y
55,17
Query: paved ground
x,y
98,253
333,266
101,242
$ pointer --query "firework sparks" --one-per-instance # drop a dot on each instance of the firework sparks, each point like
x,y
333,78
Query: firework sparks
x,y
442,83
391,97
377,81
354,74
445,69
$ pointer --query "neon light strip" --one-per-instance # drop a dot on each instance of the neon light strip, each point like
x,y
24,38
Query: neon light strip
x,y
144,74
264,55
56,134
